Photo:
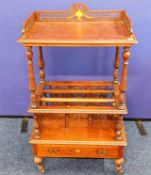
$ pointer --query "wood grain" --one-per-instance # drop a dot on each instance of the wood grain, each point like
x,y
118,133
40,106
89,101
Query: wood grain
x,y
78,118
74,27
83,151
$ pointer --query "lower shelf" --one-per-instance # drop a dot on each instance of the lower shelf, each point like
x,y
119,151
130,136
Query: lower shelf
x,y
78,129
78,136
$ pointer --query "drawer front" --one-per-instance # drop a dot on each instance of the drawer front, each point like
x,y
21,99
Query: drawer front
x,y
85,151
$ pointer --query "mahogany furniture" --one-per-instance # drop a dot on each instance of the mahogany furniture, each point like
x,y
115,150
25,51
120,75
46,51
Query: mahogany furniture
x,y
78,118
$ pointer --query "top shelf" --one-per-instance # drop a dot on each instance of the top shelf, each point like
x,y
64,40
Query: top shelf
x,y
78,26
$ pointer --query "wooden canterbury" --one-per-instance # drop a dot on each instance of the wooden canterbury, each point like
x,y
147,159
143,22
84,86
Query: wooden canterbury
x,y
78,118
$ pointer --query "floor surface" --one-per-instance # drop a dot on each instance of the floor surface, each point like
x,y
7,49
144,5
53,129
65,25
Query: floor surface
x,y
16,154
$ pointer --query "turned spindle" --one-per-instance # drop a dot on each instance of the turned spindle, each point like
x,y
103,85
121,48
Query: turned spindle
x,y
32,83
119,128
123,83
116,65
41,64
36,126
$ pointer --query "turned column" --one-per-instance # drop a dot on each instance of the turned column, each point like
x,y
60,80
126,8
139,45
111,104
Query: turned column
x,y
116,65
119,127
41,64
123,83
32,83
36,126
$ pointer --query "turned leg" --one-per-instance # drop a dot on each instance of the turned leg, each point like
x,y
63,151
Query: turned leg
x,y
118,163
119,128
39,163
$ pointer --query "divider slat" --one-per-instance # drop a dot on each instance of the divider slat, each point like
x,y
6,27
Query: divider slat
x,y
96,100
75,91
79,83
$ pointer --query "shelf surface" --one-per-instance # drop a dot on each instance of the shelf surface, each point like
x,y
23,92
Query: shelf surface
x,y
91,97
101,131
78,26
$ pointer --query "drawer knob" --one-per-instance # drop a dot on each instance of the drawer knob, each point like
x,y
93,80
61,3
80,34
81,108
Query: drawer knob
x,y
53,150
102,152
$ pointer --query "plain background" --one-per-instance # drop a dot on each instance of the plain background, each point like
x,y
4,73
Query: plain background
x,y
73,63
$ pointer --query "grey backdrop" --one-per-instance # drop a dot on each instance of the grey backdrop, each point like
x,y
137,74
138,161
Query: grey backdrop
x,y
72,63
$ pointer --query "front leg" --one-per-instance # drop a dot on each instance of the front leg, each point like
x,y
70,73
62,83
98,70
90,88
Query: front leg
x,y
118,163
39,163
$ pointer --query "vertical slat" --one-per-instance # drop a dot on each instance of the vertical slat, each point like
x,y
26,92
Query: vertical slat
x,y
41,64
67,120
32,83
123,83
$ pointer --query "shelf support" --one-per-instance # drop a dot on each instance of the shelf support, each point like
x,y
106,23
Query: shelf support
x,y
32,83
41,64
116,65
119,127
36,126
123,83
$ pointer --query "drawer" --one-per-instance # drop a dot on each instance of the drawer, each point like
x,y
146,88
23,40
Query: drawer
x,y
85,151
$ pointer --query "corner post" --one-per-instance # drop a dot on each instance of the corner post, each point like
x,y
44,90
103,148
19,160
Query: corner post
x,y
36,126
116,65
41,64
32,83
123,83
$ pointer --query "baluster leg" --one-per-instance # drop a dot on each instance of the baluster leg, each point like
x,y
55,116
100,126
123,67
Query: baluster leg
x,y
32,83
123,83
39,163
118,163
